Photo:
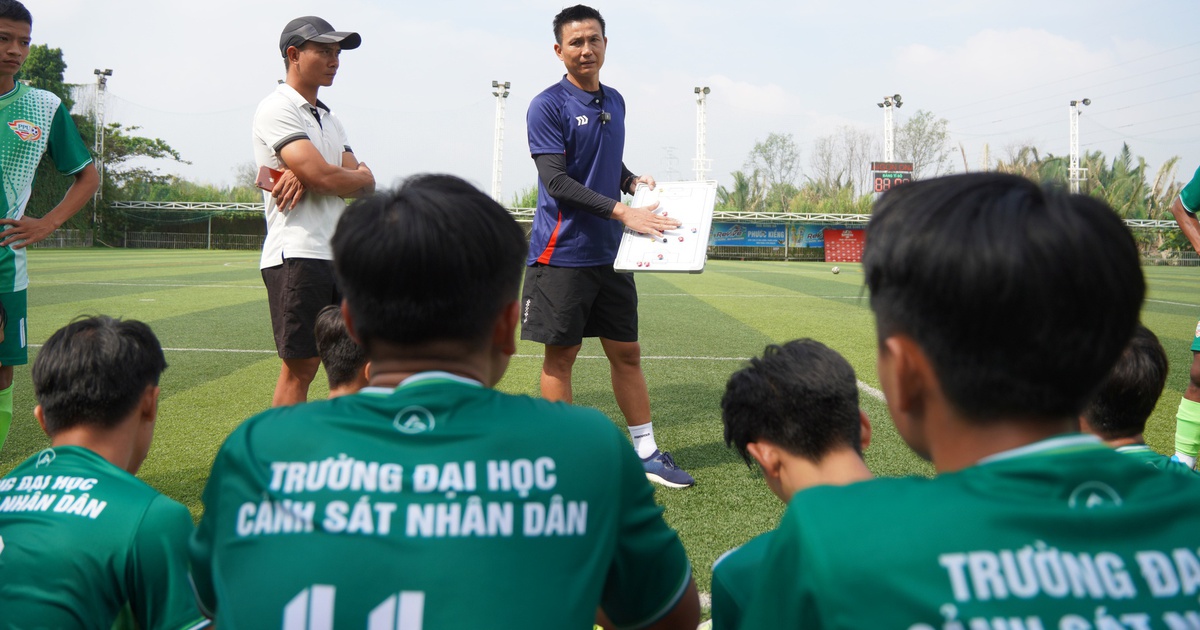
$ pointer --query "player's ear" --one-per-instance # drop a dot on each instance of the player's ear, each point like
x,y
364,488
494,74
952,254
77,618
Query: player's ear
x,y
504,331
1085,426
767,456
905,372
349,319
148,406
366,372
41,418
865,426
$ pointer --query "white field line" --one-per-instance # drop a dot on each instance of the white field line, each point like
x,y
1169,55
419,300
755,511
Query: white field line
x,y
1173,303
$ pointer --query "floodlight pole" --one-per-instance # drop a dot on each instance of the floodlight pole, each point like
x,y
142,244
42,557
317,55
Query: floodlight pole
x,y
500,91
101,84
1074,173
701,163
889,128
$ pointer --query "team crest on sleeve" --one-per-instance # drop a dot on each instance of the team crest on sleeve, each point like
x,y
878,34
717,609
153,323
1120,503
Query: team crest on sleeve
x,y
414,420
25,130
1198,329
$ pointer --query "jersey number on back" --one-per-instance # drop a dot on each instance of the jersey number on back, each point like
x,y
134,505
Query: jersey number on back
x,y
312,609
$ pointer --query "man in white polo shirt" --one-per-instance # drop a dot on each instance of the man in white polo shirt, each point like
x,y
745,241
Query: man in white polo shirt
x,y
297,134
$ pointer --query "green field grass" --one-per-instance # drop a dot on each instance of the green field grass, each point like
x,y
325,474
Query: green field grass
x,y
209,310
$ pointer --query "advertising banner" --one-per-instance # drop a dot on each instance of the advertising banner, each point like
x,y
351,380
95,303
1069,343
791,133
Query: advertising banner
x,y
747,234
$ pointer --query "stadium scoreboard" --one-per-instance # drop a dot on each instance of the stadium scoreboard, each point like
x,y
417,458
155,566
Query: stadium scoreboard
x,y
888,175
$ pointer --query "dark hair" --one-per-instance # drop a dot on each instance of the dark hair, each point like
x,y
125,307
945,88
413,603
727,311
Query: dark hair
x,y
801,396
94,371
1127,397
15,11
434,260
1022,297
577,13
342,357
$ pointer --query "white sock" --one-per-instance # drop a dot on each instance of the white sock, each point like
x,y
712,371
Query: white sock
x,y
1190,460
643,439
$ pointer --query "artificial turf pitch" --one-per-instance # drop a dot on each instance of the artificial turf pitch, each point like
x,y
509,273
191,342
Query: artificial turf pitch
x,y
209,310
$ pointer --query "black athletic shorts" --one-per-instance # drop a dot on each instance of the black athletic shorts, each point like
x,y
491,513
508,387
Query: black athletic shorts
x,y
296,291
562,305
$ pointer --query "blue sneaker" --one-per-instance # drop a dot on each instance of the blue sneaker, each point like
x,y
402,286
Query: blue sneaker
x,y
661,469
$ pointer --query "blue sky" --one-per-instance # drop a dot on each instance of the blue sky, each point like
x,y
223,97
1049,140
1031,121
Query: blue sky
x,y
416,96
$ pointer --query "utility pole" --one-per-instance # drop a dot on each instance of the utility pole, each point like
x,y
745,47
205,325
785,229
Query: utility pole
x,y
669,162
889,128
101,84
1074,173
701,163
500,91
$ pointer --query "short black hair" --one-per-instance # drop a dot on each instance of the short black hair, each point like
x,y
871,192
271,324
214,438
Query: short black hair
x,y
801,396
342,357
1021,296
435,260
94,371
15,11
1128,396
577,13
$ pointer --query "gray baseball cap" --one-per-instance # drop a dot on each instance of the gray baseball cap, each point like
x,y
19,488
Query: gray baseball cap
x,y
311,28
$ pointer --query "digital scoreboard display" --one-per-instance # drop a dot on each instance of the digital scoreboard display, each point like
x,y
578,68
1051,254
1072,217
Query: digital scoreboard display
x,y
888,175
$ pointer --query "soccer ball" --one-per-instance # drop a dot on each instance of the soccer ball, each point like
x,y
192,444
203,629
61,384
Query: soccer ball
x,y
836,270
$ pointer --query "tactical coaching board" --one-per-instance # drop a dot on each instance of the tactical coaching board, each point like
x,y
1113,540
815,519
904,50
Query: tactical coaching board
x,y
682,249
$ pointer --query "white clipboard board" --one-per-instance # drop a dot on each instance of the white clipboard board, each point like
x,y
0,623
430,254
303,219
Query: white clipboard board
x,y
681,250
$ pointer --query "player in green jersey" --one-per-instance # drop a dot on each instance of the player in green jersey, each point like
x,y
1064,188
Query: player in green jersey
x,y
1187,419
1117,414
38,124
793,412
83,542
345,363
428,499
1000,307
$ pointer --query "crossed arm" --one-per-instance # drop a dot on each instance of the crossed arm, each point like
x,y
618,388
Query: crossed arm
x,y
307,171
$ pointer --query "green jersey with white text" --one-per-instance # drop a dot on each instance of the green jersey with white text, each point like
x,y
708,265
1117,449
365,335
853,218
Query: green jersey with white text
x,y
440,504
38,123
1062,533
85,544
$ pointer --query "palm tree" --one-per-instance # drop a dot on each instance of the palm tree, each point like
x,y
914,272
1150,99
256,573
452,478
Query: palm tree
x,y
746,194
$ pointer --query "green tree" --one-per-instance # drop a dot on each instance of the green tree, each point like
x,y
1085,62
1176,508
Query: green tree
x,y
43,69
924,140
123,151
777,161
745,196
526,198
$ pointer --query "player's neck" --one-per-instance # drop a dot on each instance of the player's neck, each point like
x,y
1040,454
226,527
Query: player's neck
x,y
1137,440
309,92
391,365
115,445
587,84
958,443
837,468
7,83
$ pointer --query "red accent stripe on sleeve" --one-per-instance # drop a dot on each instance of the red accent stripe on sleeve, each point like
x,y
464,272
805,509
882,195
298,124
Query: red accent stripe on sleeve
x,y
549,251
